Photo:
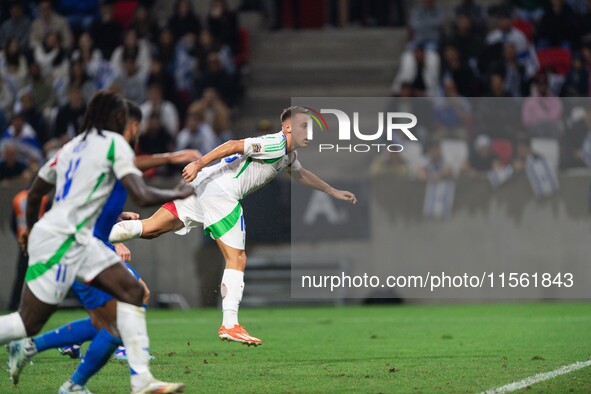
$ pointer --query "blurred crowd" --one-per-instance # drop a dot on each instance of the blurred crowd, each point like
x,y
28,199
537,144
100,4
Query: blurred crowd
x,y
184,71
531,59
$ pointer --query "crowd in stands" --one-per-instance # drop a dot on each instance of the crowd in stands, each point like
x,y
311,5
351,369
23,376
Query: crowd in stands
x,y
184,72
530,59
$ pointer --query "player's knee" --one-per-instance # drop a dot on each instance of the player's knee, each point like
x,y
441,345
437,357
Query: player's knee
x,y
33,327
133,294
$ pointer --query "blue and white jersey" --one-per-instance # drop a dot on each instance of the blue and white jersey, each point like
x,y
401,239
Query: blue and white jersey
x,y
86,174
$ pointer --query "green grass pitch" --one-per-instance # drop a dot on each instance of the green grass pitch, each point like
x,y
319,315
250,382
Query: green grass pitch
x,y
397,349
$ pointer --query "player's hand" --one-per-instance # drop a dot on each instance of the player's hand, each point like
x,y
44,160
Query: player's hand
x,y
185,156
345,196
128,216
23,240
123,252
191,170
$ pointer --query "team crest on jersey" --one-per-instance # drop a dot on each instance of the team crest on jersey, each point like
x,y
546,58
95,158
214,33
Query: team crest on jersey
x,y
256,148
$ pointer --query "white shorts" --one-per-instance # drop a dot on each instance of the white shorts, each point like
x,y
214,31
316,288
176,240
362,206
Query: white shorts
x,y
56,261
220,215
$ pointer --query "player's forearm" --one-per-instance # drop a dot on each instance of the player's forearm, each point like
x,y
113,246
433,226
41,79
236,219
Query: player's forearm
x,y
148,162
226,149
39,189
310,179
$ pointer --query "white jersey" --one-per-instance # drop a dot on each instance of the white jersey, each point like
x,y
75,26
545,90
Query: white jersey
x,y
263,159
88,197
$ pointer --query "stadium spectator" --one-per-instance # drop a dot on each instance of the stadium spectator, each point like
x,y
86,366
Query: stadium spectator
x,y
460,72
133,46
497,116
528,10
155,138
41,87
468,39
586,57
481,158
49,22
208,44
18,26
106,32
223,24
434,167
184,20
144,25
576,82
79,14
69,117
51,57
505,32
263,127
197,133
523,152
586,25
78,78
558,27
169,116
474,12
31,113
216,77
217,114
12,169
130,81
24,137
389,163
576,133
426,24
6,98
541,113
452,112
166,50
516,81
13,65
159,76
420,68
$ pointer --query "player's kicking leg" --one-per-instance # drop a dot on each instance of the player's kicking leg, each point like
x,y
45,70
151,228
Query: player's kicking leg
x,y
232,287
161,222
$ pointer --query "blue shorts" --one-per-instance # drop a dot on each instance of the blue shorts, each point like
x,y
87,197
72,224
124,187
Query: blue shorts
x,y
91,297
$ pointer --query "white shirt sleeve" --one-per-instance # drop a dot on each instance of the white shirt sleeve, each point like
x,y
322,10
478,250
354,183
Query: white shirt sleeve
x,y
123,158
270,146
47,171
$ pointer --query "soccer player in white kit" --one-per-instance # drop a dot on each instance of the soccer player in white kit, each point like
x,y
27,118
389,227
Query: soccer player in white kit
x,y
245,166
94,167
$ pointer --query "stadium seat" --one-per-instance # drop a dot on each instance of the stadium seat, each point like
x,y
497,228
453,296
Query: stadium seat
x,y
559,59
242,58
525,27
503,149
123,12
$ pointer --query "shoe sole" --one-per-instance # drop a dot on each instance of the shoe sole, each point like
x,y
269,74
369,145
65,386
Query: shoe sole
x,y
178,389
229,338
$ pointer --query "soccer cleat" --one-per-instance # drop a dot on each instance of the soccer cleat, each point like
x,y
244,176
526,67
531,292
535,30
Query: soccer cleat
x,y
238,334
158,387
72,351
19,355
71,387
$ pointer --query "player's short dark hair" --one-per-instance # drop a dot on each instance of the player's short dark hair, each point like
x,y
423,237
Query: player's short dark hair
x,y
106,111
292,111
133,111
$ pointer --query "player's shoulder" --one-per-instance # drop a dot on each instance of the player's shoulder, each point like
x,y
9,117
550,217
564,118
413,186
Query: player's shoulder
x,y
271,138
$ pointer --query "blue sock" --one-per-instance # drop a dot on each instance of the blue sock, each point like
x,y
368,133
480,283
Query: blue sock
x,y
78,331
100,350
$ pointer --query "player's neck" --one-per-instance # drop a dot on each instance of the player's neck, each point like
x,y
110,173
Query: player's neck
x,y
288,140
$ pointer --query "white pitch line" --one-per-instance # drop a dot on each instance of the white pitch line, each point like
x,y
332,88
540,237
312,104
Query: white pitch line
x,y
538,378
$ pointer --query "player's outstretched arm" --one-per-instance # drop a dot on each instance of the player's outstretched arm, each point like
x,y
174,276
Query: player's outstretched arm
x,y
308,178
226,149
147,162
145,195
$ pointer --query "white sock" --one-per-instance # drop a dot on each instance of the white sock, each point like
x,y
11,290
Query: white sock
x,y
131,322
232,288
11,327
125,230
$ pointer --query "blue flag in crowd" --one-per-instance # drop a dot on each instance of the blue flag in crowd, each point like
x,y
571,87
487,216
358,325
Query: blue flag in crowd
x,y
439,199
541,178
